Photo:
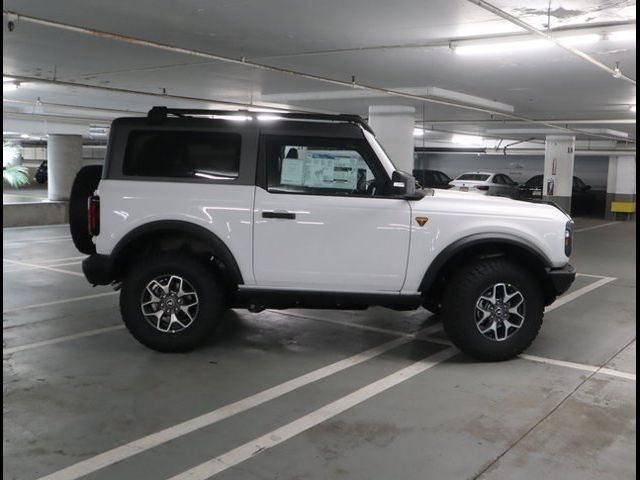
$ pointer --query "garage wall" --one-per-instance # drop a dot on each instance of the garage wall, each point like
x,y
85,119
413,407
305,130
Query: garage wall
x,y
592,169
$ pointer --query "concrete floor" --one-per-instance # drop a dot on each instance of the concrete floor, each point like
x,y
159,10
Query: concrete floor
x,y
76,385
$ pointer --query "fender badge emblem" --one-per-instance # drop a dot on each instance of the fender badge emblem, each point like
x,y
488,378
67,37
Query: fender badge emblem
x,y
422,220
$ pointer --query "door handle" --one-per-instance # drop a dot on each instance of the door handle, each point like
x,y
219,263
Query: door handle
x,y
284,215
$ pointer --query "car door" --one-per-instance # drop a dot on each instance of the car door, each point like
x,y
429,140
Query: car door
x,y
321,220
496,188
511,187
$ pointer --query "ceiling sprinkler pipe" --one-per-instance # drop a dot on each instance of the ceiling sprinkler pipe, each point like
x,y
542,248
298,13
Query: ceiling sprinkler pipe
x,y
248,63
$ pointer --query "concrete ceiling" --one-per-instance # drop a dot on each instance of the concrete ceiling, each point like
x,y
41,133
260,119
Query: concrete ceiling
x,y
394,45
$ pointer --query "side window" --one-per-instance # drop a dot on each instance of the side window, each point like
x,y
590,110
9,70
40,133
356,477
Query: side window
x,y
508,180
321,167
498,179
178,154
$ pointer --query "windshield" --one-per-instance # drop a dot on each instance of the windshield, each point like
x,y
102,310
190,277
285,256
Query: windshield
x,y
537,180
578,183
473,176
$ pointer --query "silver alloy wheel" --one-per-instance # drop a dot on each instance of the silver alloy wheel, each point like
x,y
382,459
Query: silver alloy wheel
x,y
169,303
500,311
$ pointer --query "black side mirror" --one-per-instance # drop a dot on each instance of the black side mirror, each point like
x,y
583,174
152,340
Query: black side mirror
x,y
403,185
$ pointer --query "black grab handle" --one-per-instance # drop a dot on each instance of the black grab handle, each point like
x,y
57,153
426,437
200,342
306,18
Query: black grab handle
x,y
285,215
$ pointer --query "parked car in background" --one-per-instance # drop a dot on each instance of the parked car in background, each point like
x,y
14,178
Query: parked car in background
x,y
432,178
41,173
583,199
486,183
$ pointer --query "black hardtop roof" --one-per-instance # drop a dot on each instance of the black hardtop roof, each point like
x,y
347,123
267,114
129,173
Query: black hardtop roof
x,y
159,114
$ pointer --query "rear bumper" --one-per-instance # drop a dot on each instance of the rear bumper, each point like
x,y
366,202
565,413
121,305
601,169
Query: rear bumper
x,y
98,269
561,278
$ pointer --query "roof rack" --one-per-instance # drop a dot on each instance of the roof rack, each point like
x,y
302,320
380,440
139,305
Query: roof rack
x,y
158,114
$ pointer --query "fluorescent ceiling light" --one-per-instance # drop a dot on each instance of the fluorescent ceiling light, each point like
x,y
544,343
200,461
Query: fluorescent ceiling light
x,y
551,131
466,139
24,135
429,91
268,118
418,132
7,79
579,39
235,118
632,108
522,45
9,87
501,47
622,35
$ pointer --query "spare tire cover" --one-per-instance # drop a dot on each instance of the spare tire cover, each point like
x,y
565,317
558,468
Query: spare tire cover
x,y
84,185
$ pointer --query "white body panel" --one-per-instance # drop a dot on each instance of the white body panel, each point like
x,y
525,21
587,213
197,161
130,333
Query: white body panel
x,y
225,210
456,215
354,244
335,243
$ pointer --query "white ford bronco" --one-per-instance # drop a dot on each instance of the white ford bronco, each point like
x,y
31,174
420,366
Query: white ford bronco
x,y
198,211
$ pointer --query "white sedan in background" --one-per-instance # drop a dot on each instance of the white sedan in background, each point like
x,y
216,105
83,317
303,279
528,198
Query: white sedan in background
x,y
486,183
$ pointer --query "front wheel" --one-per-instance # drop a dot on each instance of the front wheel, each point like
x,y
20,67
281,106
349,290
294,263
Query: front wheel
x,y
171,303
493,309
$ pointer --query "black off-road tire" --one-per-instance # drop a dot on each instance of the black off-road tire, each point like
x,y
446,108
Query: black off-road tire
x,y
210,295
459,308
84,185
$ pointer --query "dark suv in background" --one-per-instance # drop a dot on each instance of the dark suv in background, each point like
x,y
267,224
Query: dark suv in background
x,y
584,201
432,178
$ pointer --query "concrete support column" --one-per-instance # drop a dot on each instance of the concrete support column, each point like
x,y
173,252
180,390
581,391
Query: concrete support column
x,y
621,182
64,159
393,125
559,154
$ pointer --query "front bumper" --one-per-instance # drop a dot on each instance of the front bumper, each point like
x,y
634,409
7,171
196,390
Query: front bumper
x,y
561,278
98,269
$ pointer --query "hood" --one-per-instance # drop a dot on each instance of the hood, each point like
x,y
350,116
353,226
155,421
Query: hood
x,y
470,202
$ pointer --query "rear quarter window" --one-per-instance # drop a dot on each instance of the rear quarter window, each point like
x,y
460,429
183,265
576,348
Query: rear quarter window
x,y
178,154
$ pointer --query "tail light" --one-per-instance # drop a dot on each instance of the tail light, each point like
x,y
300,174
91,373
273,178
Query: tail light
x,y
93,211
483,187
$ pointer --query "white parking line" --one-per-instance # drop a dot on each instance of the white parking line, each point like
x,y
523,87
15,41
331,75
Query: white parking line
x,y
43,267
602,225
37,227
49,262
578,293
130,449
66,259
18,268
386,331
19,242
271,439
580,366
151,441
53,341
590,275
58,302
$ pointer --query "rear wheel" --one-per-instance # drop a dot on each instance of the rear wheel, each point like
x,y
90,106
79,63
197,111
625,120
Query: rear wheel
x,y
493,309
172,303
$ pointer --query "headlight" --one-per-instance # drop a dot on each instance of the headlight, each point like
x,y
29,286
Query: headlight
x,y
568,239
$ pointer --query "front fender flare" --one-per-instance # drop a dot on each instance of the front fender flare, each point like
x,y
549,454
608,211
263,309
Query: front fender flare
x,y
474,240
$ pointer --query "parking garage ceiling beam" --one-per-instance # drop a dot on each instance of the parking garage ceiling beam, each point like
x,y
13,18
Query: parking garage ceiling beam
x,y
530,28
242,61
